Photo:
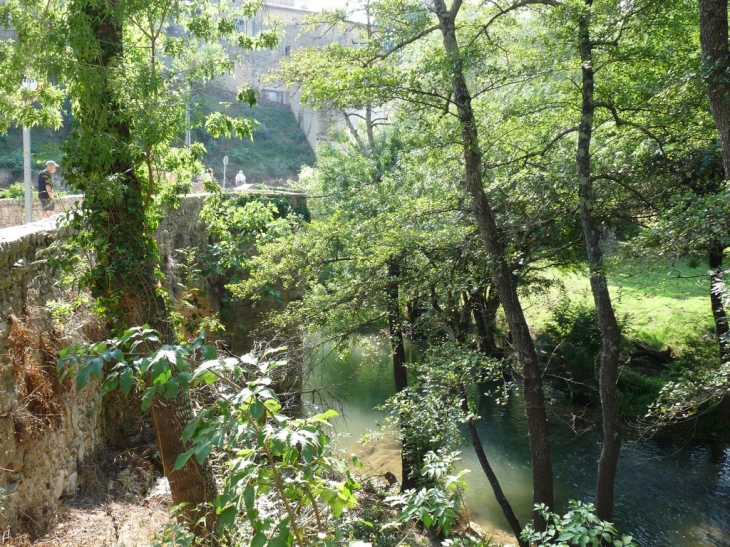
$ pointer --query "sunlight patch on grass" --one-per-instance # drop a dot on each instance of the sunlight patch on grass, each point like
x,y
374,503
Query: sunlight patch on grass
x,y
665,302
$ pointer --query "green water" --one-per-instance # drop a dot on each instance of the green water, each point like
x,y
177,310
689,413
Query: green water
x,y
667,494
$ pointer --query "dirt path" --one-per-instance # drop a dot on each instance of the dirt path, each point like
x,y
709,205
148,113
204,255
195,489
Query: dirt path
x,y
121,503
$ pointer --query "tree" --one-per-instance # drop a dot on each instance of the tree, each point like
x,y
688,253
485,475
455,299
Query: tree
x,y
127,111
542,477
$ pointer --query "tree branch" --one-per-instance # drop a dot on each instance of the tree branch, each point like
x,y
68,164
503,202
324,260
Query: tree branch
x,y
625,186
403,44
620,121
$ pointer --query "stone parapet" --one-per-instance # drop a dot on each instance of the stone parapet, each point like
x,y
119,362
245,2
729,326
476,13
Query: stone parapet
x,y
12,211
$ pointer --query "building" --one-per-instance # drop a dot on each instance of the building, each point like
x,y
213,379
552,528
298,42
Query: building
x,y
255,65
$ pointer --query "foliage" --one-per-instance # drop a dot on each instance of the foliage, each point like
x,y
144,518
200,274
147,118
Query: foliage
x,y
240,223
169,366
13,161
637,392
436,507
578,527
428,413
281,483
269,452
696,391
15,191
570,345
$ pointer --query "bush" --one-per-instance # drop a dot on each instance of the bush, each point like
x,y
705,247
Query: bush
x,y
436,507
13,161
262,132
570,348
15,191
636,393
578,527
282,483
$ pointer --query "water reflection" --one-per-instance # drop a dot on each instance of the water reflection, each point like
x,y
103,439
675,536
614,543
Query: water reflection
x,y
667,495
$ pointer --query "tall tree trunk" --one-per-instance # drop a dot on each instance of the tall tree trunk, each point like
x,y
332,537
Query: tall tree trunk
x,y
124,277
715,48
542,473
610,331
400,373
714,42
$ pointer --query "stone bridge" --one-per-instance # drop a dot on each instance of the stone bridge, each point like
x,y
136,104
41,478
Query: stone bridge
x,y
48,429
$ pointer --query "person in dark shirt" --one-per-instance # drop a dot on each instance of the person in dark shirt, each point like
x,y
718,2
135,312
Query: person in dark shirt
x,y
45,188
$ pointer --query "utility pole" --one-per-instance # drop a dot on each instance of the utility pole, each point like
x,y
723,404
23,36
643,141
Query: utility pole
x,y
30,85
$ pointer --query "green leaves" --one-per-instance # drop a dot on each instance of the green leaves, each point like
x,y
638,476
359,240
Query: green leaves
x,y
220,125
165,370
579,527
266,451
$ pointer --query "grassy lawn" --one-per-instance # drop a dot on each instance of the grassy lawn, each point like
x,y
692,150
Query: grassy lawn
x,y
664,302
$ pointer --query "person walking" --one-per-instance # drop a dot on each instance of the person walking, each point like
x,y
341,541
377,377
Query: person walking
x,y
45,188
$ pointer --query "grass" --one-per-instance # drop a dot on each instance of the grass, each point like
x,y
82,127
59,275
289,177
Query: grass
x,y
279,147
660,304
665,302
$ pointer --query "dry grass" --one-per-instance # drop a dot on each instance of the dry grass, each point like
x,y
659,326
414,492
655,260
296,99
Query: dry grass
x,y
121,502
33,358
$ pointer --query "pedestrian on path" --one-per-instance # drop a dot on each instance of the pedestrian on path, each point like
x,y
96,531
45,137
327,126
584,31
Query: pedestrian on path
x,y
45,188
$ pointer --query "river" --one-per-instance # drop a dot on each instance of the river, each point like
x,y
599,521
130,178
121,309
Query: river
x,y
668,494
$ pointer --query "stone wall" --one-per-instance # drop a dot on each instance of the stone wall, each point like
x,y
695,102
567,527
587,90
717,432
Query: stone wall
x,y
46,428
12,211
40,465
254,66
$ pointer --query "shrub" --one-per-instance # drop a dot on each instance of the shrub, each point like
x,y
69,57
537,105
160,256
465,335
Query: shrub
x,y
282,484
570,346
436,507
15,191
578,527
13,161
636,393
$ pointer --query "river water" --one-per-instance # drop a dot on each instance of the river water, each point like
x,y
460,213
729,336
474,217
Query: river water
x,y
667,494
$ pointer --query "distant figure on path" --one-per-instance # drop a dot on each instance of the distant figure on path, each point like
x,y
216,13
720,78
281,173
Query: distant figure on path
x,y
240,178
45,188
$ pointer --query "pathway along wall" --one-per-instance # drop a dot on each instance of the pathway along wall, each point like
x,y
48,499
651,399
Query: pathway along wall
x,y
48,429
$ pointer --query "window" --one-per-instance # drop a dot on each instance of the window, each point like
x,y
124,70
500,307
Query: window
x,y
275,96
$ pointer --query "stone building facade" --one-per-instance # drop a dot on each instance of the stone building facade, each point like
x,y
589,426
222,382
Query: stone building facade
x,y
256,65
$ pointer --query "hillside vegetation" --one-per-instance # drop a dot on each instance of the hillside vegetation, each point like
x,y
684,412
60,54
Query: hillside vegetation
x,y
277,152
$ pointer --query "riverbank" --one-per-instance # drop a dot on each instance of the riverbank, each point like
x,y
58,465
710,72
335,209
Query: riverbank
x,y
669,493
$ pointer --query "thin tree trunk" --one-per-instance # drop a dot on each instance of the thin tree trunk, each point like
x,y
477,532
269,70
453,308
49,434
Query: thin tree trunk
x,y
715,255
610,331
509,514
400,373
542,474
